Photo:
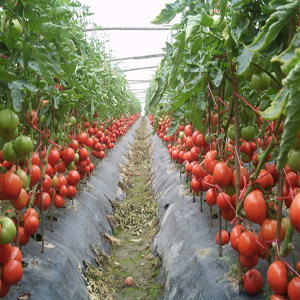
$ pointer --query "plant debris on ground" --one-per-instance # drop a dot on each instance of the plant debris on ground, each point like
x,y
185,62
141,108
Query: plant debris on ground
x,y
134,223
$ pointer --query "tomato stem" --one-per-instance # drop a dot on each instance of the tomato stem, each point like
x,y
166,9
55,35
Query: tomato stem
x,y
287,240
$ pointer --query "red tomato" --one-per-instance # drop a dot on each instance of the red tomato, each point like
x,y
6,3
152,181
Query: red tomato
x,y
4,288
249,262
255,207
235,235
63,191
294,288
23,237
211,197
291,179
11,185
210,161
225,237
188,130
73,178
46,201
200,140
295,213
83,154
265,179
4,253
71,191
222,174
253,282
198,171
268,230
53,157
15,254
247,244
31,224
12,272
35,175
224,201
277,277
59,201
196,185
30,212
244,177
277,297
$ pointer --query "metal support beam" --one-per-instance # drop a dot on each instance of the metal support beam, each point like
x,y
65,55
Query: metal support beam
x,y
140,57
127,28
136,69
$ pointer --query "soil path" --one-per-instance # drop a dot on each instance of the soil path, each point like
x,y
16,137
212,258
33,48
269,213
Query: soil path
x,y
134,226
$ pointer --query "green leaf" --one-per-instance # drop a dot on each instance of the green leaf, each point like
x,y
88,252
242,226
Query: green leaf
x,y
7,76
217,76
44,63
277,106
17,94
174,126
243,60
168,14
291,125
274,25
156,97
180,98
194,23
294,74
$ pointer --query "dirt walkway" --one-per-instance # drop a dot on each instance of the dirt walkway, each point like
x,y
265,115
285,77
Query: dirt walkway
x,y
134,226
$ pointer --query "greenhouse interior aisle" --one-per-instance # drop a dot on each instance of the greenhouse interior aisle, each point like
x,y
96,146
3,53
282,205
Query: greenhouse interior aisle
x,y
149,149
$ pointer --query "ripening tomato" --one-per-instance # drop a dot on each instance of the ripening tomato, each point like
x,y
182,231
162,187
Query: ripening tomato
x,y
235,235
294,288
255,207
277,277
253,281
222,174
291,179
247,244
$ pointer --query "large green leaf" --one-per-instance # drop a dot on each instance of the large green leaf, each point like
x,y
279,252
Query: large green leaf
x,y
6,76
274,24
44,63
243,60
168,14
277,107
157,95
17,94
291,125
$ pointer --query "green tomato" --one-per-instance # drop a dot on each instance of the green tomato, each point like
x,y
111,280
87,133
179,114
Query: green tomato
x,y
250,114
9,152
260,81
230,190
12,136
76,157
8,231
9,121
23,145
43,119
207,138
71,166
18,45
231,132
73,120
294,159
24,178
181,134
248,133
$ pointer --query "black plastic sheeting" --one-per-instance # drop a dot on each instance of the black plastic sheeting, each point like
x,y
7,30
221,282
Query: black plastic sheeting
x,y
56,274
191,268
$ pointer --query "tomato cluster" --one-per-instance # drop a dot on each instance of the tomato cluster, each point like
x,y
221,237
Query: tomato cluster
x,y
214,174
31,181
